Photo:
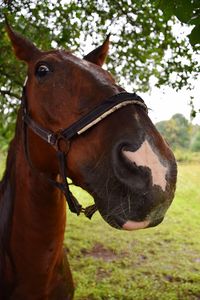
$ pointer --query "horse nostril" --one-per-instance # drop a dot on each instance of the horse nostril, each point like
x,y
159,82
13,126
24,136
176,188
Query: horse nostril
x,y
129,173
146,157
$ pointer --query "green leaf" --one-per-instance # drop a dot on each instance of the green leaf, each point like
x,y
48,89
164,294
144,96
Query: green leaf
x,y
194,36
195,20
167,6
183,10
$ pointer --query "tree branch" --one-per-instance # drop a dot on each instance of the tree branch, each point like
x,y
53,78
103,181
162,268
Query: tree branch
x,y
7,76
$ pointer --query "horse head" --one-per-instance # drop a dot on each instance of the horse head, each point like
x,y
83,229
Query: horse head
x,y
122,161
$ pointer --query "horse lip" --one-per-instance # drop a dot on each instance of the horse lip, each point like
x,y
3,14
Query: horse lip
x,y
131,225
134,225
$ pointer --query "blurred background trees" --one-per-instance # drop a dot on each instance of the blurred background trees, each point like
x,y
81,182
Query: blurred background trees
x,y
182,136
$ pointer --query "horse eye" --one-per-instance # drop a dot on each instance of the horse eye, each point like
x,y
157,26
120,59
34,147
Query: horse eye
x,y
42,71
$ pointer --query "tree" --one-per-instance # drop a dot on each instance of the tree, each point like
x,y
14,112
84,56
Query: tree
x,y
176,131
195,143
142,38
187,11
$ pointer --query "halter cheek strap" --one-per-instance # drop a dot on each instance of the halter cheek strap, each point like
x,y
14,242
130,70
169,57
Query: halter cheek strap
x,y
73,203
88,121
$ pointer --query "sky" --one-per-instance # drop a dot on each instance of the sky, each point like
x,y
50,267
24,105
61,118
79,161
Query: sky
x,y
165,102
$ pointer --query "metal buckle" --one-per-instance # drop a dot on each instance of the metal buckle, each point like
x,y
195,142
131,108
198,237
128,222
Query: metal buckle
x,y
82,210
62,144
49,136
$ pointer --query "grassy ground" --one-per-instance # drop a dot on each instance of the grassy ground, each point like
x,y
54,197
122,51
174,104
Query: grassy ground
x,y
2,163
158,263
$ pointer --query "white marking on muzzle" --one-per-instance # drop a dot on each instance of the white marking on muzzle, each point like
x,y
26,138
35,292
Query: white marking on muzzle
x,y
146,157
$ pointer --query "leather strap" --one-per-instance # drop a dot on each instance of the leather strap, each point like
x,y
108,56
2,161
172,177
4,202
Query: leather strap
x,y
83,124
86,122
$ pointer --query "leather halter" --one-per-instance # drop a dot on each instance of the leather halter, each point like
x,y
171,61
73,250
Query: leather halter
x,y
103,110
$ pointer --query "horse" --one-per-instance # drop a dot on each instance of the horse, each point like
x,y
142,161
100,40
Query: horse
x,y
74,122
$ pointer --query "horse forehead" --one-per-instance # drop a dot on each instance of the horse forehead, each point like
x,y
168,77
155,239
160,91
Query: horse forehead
x,y
71,63
54,56
85,66
68,57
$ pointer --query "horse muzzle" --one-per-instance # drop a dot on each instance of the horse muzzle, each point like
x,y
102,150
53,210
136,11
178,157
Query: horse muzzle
x,y
133,220
142,190
131,225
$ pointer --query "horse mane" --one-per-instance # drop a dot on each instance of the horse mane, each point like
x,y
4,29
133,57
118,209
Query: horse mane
x,y
7,193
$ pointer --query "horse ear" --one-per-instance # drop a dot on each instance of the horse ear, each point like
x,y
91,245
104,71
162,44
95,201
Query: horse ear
x,y
23,48
98,55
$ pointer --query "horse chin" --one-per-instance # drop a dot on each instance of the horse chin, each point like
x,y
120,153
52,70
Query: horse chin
x,y
131,225
131,216
118,222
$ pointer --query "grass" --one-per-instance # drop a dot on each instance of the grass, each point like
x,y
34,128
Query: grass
x,y
2,163
187,156
161,263
158,263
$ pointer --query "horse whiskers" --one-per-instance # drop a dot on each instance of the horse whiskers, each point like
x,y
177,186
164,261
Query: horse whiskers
x,y
124,211
119,210
112,222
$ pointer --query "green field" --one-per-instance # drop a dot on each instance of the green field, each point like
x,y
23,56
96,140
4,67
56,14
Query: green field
x,y
161,263
158,263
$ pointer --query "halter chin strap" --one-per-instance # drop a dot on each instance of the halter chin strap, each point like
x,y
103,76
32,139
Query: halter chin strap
x,y
56,139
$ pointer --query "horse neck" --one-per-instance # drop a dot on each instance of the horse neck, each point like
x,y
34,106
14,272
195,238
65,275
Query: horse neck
x,y
38,222
35,197
41,205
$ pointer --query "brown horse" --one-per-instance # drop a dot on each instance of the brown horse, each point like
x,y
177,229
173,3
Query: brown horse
x,y
117,155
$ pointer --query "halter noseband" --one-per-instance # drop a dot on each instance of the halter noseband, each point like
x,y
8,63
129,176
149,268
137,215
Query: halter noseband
x,y
99,113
